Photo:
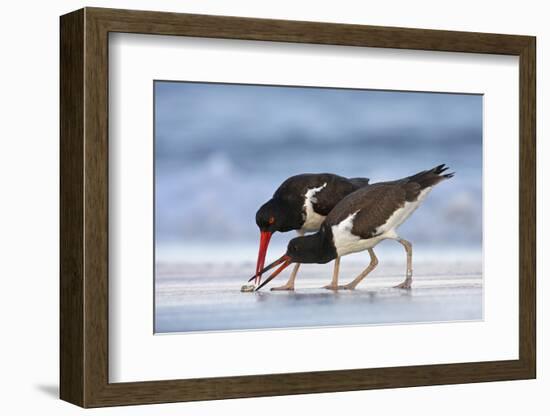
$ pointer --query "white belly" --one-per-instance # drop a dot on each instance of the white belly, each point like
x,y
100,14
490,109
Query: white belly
x,y
313,222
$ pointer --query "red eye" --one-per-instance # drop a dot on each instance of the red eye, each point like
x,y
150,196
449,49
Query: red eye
x,y
271,220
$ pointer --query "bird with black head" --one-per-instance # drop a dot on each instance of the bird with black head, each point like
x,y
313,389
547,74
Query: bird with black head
x,y
359,222
301,203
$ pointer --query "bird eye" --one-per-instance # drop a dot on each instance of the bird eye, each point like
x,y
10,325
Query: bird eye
x,y
271,220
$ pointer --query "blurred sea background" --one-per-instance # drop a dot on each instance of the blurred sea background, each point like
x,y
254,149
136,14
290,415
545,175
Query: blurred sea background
x,y
221,150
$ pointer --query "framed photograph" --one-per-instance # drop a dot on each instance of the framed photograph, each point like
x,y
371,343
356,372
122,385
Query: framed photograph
x,y
254,207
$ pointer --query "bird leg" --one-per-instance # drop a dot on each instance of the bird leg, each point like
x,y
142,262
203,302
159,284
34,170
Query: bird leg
x,y
372,265
290,284
334,282
406,284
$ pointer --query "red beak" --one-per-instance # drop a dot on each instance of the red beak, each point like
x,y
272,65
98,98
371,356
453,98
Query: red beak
x,y
265,236
284,261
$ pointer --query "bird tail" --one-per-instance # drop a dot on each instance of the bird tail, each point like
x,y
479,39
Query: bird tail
x,y
431,177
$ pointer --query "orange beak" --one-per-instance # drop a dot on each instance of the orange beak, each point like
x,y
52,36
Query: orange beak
x,y
284,261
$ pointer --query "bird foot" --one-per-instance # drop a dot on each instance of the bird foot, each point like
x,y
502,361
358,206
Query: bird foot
x,y
404,285
283,287
347,287
331,287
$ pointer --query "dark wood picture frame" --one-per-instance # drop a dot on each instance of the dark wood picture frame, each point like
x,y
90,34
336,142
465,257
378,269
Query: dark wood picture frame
x,y
84,207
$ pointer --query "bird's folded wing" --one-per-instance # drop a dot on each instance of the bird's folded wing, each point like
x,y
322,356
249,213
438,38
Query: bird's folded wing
x,y
373,207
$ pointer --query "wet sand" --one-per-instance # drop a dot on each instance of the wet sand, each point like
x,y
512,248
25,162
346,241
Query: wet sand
x,y
207,297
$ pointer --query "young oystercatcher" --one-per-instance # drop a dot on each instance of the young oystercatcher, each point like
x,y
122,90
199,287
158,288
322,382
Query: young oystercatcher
x,y
359,222
301,203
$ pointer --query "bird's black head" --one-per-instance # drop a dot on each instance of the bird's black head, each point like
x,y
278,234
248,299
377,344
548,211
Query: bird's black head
x,y
314,248
276,215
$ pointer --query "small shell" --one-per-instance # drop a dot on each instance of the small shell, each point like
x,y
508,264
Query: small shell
x,y
247,288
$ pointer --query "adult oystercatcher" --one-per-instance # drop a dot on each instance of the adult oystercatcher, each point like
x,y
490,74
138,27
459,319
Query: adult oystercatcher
x,y
359,222
301,203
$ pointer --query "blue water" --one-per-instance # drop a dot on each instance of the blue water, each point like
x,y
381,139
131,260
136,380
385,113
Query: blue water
x,y
221,151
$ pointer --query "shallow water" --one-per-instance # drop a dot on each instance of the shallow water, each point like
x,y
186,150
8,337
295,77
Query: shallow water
x,y
207,297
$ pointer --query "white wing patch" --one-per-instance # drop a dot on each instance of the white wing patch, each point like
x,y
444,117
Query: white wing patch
x,y
312,220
